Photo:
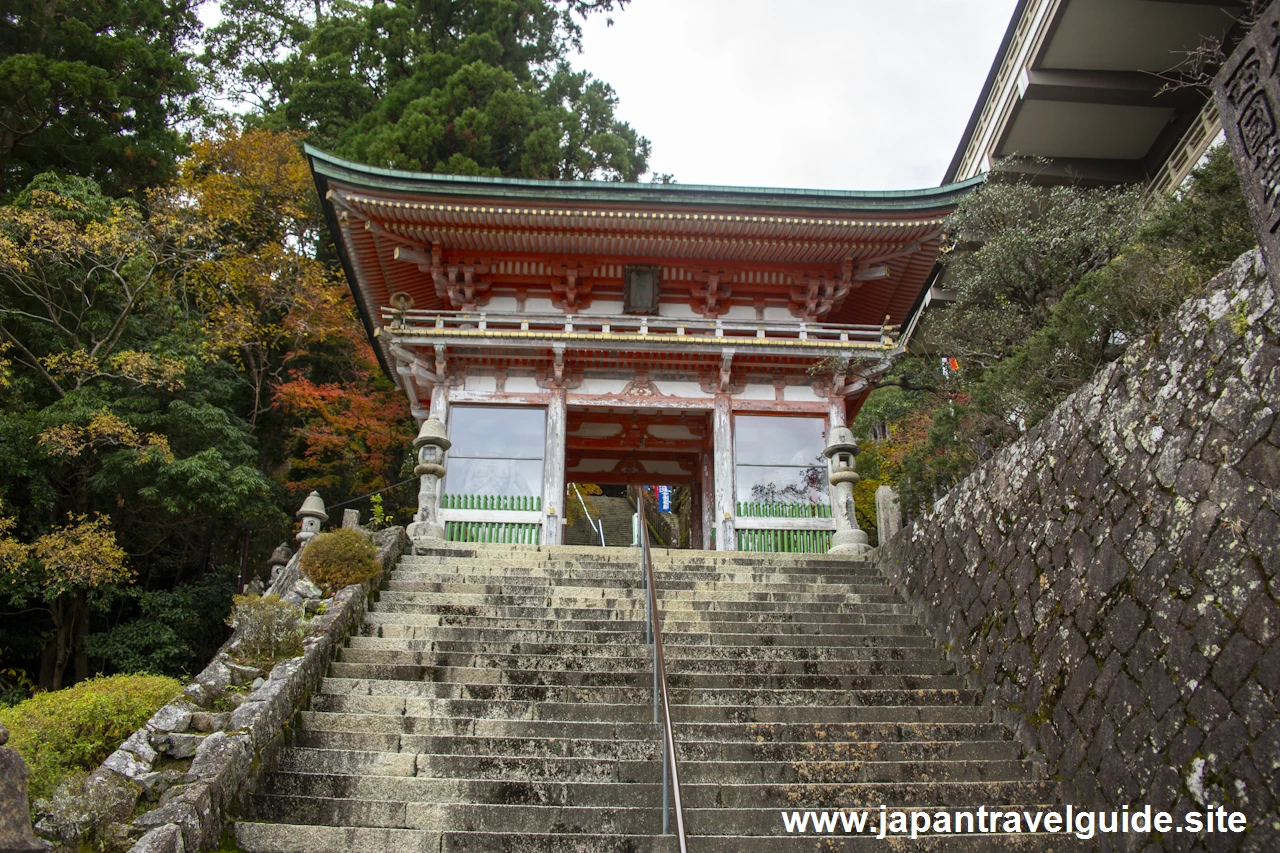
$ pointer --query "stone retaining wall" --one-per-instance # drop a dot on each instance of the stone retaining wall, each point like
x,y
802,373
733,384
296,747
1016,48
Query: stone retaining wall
x,y
230,722
1112,578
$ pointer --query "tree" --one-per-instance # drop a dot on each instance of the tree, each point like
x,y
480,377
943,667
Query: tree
x,y
477,87
1052,285
94,88
245,204
282,315
61,570
118,432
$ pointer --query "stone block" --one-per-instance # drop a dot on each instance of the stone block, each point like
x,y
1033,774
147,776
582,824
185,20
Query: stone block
x,y
139,744
176,745
15,815
126,764
161,839
243,675
183,815
170,718
204,721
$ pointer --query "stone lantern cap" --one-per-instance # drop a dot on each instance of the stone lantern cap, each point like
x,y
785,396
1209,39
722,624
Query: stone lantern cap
x,y
840,441
313,507
432,432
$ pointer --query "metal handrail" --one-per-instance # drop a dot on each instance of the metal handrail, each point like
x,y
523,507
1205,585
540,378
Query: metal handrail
x,y
670,766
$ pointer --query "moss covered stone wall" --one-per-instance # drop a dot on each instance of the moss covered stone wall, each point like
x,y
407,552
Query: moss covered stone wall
x,y
1112,578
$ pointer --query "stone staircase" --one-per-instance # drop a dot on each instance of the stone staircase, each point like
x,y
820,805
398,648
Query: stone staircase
x,y
500,699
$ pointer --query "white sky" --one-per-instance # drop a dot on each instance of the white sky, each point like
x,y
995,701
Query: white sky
x,y
832,94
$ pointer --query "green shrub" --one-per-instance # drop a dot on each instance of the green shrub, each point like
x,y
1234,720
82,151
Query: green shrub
x,y
64,731
337,559
267,629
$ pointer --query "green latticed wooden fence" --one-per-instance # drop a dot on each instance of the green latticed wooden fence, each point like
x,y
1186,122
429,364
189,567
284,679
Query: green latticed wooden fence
x,y
509,503
500,532
785,541
755,509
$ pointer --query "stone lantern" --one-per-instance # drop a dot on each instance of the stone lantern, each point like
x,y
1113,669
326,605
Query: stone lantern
x,y
431,443
842,452
313,515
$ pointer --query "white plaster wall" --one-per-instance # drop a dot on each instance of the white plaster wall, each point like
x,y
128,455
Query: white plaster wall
x,y
480,383
739,312
800,394
601,386
601,306
500,303
778,313
522,385
757,392
539,305
675,388
678,310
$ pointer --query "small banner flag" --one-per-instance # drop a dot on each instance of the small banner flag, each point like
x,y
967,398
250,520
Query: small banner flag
x,y
664,498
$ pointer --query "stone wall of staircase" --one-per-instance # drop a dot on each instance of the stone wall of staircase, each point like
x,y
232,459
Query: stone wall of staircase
x,y
199,758
1111,580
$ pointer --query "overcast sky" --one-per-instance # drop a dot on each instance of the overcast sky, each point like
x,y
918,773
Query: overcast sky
x,y
833,94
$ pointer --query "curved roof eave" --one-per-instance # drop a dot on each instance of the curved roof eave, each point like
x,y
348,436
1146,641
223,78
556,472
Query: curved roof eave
x,y
391,180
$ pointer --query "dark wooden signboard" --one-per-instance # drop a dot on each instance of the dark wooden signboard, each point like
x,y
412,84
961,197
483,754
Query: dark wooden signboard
x,y
1247,91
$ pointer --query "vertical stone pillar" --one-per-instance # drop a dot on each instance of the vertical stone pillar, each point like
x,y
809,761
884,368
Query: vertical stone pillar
x,y
553,468
888,513
15,814
725,506
707,502
1247,93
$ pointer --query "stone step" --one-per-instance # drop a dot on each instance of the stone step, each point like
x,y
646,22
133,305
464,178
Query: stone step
x,y
408,626
499,698
977,843
855,614
950,707
639,819
284,838
847,772
640,675
635,765
648,749
635,608
485,590
708,583
640,660
869,648
304,838
918,794
938,693
727,734
410,614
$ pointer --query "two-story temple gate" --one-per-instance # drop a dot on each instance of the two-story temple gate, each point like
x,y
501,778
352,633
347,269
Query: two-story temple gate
x,y
632,334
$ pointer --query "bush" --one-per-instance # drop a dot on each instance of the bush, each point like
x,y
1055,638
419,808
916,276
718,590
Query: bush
x,y
266,628
338,559
64,731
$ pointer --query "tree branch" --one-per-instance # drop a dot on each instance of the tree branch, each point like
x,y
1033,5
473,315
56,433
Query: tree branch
x,y
33,362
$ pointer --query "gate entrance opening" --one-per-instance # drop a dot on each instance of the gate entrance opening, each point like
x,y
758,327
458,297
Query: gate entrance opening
x,y
615,448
